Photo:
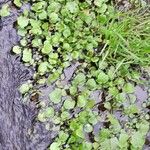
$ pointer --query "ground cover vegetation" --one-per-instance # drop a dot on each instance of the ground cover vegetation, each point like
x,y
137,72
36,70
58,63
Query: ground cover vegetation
x,y
112,49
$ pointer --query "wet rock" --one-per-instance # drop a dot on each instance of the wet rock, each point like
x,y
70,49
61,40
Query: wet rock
x,y
16,118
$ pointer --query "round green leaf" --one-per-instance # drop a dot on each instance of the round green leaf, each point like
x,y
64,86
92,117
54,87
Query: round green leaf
x,y
16,49
53,17
81,101
22,21
55,96
49,112
43,67
55,146
91,84
79,79
102,78
88,128
69,104
24,88
18,3
47,47
129,88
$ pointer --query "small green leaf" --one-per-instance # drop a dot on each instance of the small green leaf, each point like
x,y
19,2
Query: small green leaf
x,y
72,6
79,79
115,123
103,8
137,140
55,96
56,39
55,146
16,49
18,3
53,7
47,47
23,42
66,32
49,112
43,67
69,104
129,88
91,84
63,136
114,143
88,128
132,109
107,105
104,134
27,55
123,140
121,97
79,131
98,3
143,127
24,88
81,101
22,21
53,17
66,46
43,15
41,117
113,91
54,55
5,10
38,6
65,115
73,90
102,78
132,98
53,77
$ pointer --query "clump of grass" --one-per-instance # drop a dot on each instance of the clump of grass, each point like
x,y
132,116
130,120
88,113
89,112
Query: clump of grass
x,y
127,37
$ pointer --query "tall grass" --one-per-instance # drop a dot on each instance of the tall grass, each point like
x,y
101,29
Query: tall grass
x,y
128,37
